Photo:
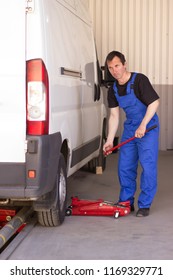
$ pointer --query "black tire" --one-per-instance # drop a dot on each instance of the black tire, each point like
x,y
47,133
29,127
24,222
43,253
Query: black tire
x,y
100,161
55,216
91,166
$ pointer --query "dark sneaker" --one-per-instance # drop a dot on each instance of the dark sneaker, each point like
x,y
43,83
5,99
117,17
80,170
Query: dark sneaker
x,y
143,212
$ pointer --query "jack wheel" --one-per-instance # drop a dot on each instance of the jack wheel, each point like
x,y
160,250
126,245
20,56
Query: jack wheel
x,y
116,215
68,212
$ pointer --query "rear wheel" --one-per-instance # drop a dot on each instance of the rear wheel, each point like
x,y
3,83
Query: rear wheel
x,y
55,216
99,162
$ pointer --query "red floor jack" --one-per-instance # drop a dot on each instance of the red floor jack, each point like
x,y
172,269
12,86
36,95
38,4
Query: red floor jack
x,y
6,215
100,207
97,208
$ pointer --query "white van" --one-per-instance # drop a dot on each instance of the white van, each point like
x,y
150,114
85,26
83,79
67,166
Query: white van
x,y
52,114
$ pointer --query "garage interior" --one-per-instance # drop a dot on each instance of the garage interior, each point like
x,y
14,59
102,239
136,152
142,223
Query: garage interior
x,y
143,31
105,238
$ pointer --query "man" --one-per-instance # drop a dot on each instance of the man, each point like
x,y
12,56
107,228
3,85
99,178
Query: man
x,y
134,94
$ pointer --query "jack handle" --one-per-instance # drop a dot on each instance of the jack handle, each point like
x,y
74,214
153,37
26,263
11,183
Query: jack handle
x,y
126,141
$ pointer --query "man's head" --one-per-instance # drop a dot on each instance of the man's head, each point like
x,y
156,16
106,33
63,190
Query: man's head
x,y
116,64
112,54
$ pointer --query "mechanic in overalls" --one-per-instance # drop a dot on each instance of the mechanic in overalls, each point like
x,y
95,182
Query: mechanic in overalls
x,y
134,93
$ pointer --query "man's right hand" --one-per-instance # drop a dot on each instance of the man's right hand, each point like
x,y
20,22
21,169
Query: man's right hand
x,y
107,146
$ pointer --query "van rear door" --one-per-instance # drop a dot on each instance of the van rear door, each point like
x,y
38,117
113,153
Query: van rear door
x,y
12,81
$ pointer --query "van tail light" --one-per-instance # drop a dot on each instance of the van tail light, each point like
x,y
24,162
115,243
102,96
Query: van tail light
x,y
37,97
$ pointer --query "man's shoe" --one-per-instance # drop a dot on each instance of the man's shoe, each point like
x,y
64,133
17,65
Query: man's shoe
x,y
143,212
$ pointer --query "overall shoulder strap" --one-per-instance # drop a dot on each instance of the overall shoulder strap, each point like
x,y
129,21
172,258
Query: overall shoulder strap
x,y
115,88
130,83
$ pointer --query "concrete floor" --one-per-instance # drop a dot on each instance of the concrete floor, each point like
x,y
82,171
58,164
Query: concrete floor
x,y
105,238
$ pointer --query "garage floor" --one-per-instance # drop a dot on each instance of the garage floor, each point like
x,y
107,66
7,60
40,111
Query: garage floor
x,y
100,238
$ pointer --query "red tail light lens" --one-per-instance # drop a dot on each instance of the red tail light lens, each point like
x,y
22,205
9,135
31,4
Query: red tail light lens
x,y
37,93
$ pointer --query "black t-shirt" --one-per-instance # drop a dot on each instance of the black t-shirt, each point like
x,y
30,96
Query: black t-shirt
x,y
142,89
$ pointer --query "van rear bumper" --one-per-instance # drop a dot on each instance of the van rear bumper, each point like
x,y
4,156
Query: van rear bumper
x,y
12,179
43,157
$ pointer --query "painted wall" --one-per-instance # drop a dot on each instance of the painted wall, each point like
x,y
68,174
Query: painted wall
x,y
143,31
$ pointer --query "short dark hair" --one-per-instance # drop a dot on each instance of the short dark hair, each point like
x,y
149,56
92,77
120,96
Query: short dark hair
x,y
112,54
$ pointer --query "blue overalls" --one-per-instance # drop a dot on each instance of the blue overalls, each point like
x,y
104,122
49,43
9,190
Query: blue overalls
x,y
144,150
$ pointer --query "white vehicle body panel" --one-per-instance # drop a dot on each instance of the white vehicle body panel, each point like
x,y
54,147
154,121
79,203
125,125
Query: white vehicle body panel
x,y
12,81
59,33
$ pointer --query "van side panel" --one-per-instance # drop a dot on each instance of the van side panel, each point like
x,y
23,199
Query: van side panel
x,y
65,87
72,91
91,108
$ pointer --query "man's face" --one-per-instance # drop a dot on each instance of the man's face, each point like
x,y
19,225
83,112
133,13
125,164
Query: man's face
x,y
116,68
